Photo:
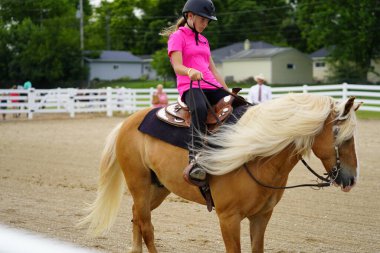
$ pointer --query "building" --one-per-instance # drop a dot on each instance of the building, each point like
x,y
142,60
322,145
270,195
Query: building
x,y
320,65
280,65
322,69
113,65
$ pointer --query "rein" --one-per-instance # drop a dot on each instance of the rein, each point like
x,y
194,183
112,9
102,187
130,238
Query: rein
x,y
230,93
328,180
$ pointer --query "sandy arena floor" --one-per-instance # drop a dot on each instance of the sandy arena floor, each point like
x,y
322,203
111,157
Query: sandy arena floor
x,y
48,171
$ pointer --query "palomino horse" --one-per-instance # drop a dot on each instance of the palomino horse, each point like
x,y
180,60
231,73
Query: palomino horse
x,y
268,140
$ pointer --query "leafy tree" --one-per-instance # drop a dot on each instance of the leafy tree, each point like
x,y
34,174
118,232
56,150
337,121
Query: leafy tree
x,y
46,54
253,20
162,65
41,41
5,56
350,29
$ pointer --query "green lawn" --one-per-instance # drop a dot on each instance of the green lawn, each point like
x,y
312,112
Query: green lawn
x,y
134,84
368,115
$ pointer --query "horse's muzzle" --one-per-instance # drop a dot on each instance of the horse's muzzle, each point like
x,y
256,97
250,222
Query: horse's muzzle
x,y
345,180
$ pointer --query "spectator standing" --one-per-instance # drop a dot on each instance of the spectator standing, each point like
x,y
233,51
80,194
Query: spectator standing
x,y
3,105
27,85
160,98
13,100
260,92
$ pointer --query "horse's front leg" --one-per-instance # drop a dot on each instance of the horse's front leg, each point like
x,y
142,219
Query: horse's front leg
x,y
257,226
230,226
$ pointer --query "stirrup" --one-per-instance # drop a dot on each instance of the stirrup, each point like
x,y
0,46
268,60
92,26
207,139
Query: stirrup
x,y
196,178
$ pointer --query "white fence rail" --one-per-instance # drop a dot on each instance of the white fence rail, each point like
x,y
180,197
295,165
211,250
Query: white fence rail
x,y
110,100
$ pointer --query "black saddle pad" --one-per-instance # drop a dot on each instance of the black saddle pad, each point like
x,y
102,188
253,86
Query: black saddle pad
x,y
177,136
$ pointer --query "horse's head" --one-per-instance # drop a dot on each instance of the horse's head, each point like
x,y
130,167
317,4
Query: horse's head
x,y
335,145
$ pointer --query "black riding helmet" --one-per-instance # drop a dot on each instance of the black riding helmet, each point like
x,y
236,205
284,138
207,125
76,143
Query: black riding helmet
x,y
203,8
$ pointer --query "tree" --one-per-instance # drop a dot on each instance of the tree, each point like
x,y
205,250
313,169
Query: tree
x,y
162,65
41,41
349,29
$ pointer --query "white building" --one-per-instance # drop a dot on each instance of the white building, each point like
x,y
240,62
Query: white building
x,y
280,65
112,65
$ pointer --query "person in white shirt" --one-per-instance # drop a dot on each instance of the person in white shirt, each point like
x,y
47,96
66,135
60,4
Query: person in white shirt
x,y
260,92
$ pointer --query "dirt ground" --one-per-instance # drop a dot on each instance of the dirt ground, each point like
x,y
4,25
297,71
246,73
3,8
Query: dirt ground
x,y
48,171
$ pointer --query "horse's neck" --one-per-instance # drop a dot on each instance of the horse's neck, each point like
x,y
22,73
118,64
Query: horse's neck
x,y
280,165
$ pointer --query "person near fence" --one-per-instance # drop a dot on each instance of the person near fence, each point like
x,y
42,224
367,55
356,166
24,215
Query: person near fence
x,y
160,98
14,99
190,56
27,85
260,92
3,105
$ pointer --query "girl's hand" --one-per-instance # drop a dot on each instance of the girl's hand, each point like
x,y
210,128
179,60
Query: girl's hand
x,y
194,74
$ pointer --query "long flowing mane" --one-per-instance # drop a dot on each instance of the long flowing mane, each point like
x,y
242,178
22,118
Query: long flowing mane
x,y
268,128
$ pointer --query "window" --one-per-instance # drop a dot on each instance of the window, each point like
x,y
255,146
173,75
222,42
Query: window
x,y
115,66
290,66
320,64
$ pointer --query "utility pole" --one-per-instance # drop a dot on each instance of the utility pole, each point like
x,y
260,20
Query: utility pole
x,y
81,29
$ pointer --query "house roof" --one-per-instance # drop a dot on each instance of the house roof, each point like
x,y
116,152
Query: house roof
x,y
116,56
220,54
321,53
258,53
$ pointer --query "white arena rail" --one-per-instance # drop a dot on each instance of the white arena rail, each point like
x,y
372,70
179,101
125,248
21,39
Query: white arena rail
x,y
17,241
109,100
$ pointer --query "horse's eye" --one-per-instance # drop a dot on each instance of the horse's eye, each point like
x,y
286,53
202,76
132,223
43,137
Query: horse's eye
x,y
335,130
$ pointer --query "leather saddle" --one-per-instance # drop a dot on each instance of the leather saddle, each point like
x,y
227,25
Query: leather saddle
x,y
178,114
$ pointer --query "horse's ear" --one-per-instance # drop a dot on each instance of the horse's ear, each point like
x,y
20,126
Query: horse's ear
x,y
357,105
348,106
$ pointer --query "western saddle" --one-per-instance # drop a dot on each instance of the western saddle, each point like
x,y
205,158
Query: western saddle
x,y
178,114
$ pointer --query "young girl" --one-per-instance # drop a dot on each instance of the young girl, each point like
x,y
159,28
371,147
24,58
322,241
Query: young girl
x,y
160,98
190,56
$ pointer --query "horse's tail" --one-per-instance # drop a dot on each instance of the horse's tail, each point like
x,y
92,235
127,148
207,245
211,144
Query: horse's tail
x,y
102,212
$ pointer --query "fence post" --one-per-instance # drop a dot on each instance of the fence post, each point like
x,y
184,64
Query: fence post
x,y
151,92
344,91
58,96
121,95
71,102
304,88
31,101
109,101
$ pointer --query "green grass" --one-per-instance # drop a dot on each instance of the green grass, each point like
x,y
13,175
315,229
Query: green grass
x,y
135,84
368,115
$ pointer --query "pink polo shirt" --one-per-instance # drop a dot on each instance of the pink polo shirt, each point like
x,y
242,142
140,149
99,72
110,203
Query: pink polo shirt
x,y
193,56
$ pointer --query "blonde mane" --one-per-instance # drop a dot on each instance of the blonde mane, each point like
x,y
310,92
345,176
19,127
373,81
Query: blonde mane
x,y
268,128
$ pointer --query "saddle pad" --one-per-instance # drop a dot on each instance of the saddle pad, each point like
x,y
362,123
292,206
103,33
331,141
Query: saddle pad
x,y
177,136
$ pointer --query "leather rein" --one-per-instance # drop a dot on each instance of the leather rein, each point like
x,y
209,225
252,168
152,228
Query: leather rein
x,y
327,181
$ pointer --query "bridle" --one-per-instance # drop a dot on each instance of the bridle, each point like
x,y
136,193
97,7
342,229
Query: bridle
x,y
326,181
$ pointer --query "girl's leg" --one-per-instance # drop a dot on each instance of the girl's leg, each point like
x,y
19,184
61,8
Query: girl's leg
x,y
195,100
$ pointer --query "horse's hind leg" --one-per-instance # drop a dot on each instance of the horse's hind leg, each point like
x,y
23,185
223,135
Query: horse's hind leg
x,y
146,198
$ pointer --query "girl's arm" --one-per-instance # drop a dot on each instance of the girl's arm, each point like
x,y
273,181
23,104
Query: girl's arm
x,y
216,74
182,70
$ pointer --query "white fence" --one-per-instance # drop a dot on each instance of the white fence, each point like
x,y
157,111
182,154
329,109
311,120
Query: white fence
x,y
110,100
